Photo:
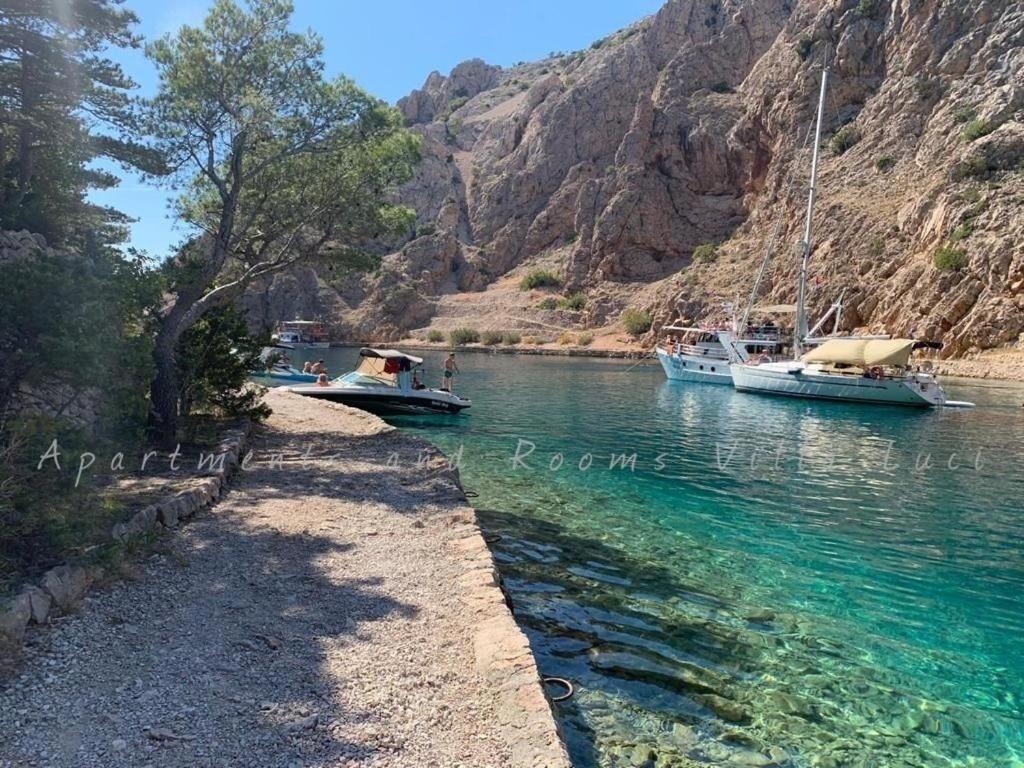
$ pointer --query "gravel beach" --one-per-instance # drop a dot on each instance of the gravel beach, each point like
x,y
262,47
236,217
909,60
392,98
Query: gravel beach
x,y
323,614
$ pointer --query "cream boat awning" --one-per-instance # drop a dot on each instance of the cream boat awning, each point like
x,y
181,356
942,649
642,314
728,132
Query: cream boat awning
x,y
863,353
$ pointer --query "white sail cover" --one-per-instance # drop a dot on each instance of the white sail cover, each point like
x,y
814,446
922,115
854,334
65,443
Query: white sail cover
x,y
863,353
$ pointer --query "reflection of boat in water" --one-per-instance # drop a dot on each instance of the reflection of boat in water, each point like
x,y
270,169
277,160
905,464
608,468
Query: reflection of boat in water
x,y
386,381
302,333
278,370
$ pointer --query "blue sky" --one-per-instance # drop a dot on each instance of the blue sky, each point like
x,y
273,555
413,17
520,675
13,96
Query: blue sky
x,y
388,47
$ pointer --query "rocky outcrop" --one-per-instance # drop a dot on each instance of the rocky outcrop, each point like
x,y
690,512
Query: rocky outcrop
x,y
689,128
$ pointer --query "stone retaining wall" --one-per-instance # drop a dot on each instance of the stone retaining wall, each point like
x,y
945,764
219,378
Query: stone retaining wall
x,y
63,587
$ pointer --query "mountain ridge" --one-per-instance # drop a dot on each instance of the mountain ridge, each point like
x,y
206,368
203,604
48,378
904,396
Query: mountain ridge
x,y
613,166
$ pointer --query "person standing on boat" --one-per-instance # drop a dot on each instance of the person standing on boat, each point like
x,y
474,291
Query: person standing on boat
x,y
448,373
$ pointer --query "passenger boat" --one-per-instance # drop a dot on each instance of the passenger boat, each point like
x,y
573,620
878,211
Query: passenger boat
x,y
861,370
302,333
702,354
386,381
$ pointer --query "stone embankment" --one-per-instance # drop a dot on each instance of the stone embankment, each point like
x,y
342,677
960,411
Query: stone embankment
x,y
338,608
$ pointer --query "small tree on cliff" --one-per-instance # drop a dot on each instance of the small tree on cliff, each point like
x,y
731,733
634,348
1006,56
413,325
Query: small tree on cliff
x,y
280,164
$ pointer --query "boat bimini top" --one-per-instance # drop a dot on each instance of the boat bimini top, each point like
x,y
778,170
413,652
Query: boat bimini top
x,y
382,367
863,353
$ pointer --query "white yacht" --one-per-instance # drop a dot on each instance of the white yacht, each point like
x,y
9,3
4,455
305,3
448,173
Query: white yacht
x,y
848,370
862,370
386,381
702,354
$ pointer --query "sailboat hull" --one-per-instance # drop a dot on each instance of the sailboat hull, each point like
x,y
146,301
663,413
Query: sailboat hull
x,y
920,391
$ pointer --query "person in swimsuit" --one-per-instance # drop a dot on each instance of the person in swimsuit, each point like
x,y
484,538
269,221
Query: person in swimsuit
x,y
449,371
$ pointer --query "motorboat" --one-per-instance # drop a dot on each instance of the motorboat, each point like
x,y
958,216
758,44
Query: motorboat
x,y
847,369
386,381
277,370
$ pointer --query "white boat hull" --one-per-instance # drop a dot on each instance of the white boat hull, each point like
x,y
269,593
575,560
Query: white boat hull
x,y
680,367
791,380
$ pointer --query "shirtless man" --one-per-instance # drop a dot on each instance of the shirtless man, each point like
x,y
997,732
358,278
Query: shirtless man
x,y
449,371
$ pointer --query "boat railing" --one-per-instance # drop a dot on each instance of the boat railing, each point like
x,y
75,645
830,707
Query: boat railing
x,y
697,351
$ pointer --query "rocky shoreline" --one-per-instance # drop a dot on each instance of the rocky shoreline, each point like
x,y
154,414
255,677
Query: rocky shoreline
x,y
338,607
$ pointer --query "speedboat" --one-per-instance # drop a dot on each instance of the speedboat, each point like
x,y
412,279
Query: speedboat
x,y
278,370
386,381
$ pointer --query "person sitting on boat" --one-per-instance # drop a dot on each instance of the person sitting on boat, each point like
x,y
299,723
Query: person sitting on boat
x,y
318,367
449,371
308,367
321,380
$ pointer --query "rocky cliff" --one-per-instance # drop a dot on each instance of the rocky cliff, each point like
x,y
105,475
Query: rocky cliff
x,y
654,169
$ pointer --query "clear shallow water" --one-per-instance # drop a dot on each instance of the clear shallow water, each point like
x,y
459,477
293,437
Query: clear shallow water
x,y
724,599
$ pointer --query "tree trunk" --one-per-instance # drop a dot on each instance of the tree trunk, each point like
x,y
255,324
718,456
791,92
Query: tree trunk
x,y
163,392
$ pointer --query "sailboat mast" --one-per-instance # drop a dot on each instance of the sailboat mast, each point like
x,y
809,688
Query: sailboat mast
x,y
805,244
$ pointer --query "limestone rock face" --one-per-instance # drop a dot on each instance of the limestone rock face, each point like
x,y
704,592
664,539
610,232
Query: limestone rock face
x,y
467,79
691,127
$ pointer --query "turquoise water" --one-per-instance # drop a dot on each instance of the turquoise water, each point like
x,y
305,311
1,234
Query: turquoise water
x,y
725,601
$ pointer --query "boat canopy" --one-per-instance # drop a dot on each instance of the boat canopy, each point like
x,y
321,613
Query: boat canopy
x,y
863,353
389,354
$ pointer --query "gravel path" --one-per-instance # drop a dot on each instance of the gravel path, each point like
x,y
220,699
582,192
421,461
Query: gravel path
x,y
312,618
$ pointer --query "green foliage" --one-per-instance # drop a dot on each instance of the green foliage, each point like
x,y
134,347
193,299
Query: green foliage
x,y
566,338
549,303
876,246
637,322
598,43
574,302
452,128
510,338
961,232
215,358
571,238
803,47
950,258
868,9
927,89
435,336
977,128
705,252
975,166
843,139
454,104
301,166
71,324
585,339
283,163
722,87
491,338
461,336
885,163
540,278
425,230
970,195
964,113
64,105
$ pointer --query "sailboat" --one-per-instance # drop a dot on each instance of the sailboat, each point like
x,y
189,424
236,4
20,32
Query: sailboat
x,y
852,369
